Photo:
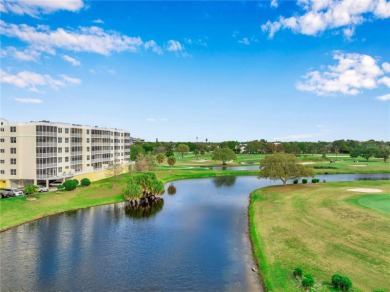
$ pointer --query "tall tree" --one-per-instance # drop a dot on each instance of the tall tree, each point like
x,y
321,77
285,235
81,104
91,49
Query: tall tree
x,y
135,151
283,167
182,149
224,154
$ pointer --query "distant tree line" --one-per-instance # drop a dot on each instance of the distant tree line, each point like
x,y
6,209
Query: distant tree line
x,y
354,148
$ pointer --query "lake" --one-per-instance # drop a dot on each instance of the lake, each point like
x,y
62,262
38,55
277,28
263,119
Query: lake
x,y
196,240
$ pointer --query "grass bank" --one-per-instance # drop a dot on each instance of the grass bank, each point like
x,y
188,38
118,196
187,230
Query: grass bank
x,y
19,210
324,229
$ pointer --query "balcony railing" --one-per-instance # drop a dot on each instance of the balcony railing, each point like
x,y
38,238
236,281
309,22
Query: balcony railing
x,y
76,153
47,134
76,162
44,155
76,143
76,135
47,144
46,165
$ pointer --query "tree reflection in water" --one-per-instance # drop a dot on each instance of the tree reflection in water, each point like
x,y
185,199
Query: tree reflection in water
x,y
145,210
221,181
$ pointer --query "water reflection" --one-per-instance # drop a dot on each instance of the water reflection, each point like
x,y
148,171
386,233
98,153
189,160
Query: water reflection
x,y
144,211
171,190
224,181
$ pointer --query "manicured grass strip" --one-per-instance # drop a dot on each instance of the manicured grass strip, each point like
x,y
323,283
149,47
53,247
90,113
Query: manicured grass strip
x,y
379,203
317,228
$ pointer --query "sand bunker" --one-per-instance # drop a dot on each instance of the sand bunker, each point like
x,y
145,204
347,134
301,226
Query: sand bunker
x,y
365,190
358,165
304,163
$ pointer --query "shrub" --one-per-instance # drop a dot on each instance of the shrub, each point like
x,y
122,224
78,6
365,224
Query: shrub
x,y
315,180
336,280
171,160
346,284
28,190
295,181
304,181
308,281
160,158
297,272
70,185
85,182
76,182
61,187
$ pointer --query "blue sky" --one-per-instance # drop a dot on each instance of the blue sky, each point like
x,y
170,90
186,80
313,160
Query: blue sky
x,y
239,70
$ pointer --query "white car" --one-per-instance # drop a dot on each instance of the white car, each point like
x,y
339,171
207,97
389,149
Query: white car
x,y
42,189
55,184
17,193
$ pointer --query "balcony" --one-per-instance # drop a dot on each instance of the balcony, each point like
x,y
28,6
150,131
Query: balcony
x,y
47,144
46,134
76,135
45,155
75,144
76,153
46,165
76,162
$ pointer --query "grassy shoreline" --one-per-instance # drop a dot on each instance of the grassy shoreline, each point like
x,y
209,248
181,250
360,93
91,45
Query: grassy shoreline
x,y
324,230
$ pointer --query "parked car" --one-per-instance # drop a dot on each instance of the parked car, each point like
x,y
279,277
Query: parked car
x,y
6,193
42,189
55,184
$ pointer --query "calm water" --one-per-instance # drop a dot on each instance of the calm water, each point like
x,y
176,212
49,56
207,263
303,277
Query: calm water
x,y
195,241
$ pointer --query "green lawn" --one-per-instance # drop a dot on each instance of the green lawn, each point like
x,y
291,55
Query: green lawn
x,y
324,229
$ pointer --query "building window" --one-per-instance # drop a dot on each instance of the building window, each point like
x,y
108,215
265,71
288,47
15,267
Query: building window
x,y
87,140
87,149
59,130
2,150
2,172
13,150
60,169
13,171
87,132
66,131
59,140
13,129
13,160
66,159
66,140
1,129
66,149
2,161
66,167
2,140
13,139
88,157
59,159
60,150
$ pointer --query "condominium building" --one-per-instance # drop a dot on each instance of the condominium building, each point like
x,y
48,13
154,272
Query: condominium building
x,y
43,152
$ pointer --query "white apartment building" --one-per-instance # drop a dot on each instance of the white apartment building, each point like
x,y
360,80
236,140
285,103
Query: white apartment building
x,y
43,152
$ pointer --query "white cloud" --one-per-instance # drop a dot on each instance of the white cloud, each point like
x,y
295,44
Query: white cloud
x,y
244,41
30,80
320,15
99,21
22,55
386,67
29,100
274,3
384,97
71,60
152,45
36,7
85,39
71,80
349,76
174,46
385,80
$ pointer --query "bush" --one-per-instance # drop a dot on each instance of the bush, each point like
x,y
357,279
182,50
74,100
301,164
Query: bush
x,y
160,158
304,181
308,281
315,180
70,185
295,181
341,282
171,160
28,190
85,182
61,187
76,182
297,272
